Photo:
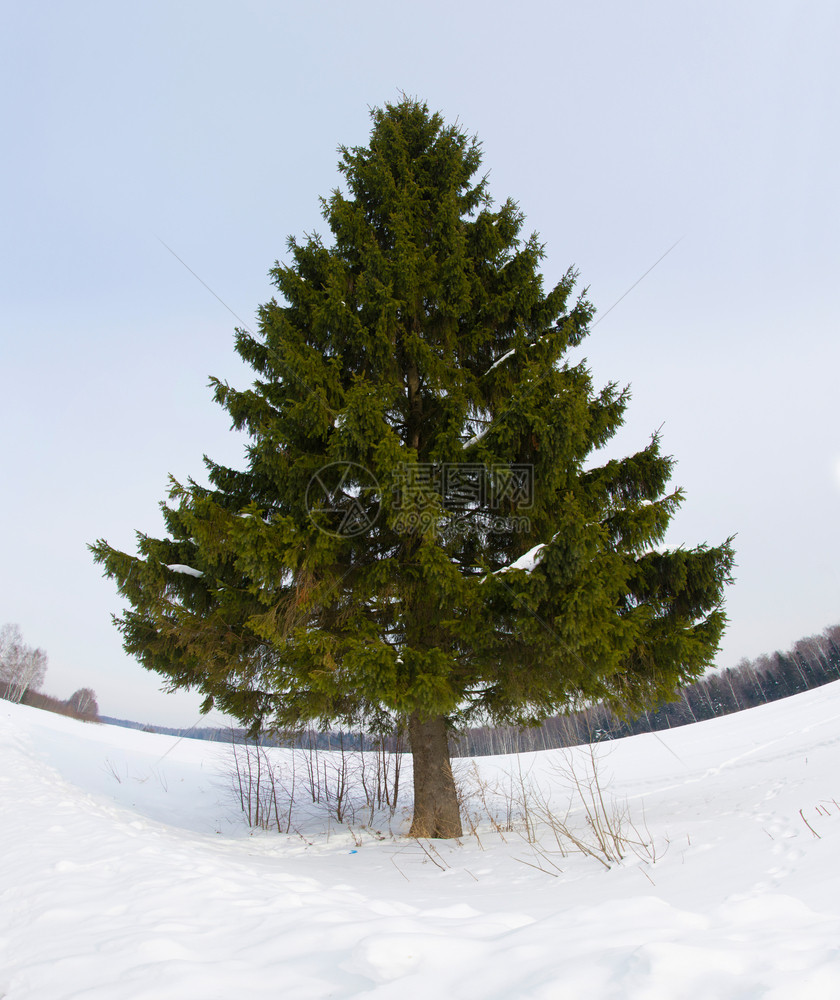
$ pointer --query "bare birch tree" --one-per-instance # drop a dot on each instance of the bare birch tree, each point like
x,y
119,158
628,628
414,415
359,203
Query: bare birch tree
x,y
21,667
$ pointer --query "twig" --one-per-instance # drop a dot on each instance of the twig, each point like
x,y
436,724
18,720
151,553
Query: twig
x,y
805,821
538,867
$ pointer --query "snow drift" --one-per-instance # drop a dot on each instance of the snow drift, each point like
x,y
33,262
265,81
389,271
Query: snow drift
x,y
129,871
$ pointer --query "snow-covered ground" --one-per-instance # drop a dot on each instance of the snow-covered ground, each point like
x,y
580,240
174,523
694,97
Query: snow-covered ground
x,y
127,870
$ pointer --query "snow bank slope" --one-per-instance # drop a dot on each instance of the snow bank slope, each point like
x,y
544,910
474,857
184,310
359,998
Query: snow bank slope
x,y
126,871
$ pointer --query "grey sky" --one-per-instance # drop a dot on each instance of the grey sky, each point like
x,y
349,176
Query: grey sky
x,y
619,128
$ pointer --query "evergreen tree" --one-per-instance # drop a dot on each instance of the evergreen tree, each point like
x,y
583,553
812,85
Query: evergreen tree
x,y
418,538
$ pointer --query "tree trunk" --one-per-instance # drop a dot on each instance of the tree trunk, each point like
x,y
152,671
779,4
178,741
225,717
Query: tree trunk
x,y
436,811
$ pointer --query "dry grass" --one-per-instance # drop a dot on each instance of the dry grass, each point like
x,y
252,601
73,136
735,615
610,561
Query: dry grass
x,y
569,811
43,701
353,789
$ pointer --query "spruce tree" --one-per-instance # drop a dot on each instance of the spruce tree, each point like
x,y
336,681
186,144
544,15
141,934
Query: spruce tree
x,y
421,537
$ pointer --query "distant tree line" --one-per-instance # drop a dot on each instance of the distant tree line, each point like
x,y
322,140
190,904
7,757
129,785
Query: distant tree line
x,y
811,663
80,705
22,672
307,738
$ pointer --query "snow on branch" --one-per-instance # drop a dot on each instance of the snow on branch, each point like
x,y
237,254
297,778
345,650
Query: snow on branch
x,y
186,570
527,561
476,438
498,361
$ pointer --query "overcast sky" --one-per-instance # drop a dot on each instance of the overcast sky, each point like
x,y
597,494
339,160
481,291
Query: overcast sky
x,y
619,128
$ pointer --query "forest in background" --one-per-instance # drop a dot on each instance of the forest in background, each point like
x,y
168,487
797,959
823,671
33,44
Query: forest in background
x,y
22,672
811,662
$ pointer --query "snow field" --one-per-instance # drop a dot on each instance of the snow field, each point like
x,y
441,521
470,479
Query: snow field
x,y
127,870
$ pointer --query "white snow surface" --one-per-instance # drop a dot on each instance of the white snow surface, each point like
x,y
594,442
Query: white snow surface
x,y
127,871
